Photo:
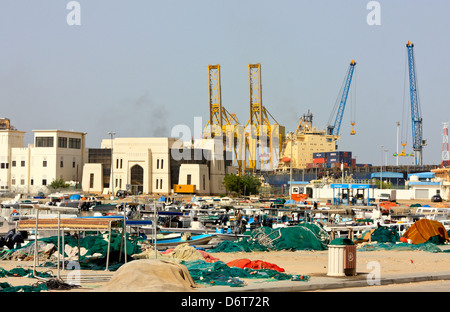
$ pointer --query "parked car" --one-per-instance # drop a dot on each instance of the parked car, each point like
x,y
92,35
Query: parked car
x,y
436,199
122,193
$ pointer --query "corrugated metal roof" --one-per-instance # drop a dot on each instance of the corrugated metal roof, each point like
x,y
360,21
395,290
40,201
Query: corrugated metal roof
x,y
386,175
423,175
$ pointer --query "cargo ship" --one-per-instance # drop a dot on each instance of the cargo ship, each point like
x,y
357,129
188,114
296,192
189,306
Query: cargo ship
x,y
312,155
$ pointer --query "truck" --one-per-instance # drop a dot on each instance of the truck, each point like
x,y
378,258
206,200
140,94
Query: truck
x,y
388,195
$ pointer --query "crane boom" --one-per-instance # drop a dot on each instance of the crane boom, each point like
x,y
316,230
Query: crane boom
x,y
334,129
416,118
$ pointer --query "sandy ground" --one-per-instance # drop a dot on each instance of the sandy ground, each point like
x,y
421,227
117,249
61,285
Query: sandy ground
x,y
312,263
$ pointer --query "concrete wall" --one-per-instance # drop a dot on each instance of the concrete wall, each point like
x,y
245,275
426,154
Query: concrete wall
x,y
97,171
199,177
403,194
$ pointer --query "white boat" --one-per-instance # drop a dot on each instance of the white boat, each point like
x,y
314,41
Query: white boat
x,y
201,239
433,213
16,202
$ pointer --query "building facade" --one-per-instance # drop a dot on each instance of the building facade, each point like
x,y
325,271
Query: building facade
x,y
155,165
55,155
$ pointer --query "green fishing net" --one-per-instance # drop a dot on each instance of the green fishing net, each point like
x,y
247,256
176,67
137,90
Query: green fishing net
x,y
21,272
384,234
428,247
6,287
96,247
304,236
219,273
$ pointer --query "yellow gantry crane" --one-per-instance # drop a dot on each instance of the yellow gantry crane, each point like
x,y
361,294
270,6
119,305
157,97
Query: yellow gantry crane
x,y
220,121
261,131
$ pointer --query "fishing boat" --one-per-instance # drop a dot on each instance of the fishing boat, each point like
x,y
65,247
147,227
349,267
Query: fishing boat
x,y
231,236
201,239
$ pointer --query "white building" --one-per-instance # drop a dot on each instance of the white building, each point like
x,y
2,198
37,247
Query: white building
x,y
154,166
55,155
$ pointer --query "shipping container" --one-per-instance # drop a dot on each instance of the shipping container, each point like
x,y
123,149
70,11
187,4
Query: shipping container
x,y
318,155
184,188
319,160
313,165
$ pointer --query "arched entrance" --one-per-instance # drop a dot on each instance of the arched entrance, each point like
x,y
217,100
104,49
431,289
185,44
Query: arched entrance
x,y
137,179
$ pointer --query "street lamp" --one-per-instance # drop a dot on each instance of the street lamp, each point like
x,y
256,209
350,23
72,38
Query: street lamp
x,y
381,170
112,162
398,124
291,136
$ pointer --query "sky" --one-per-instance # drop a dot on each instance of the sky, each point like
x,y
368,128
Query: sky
x,y
139,68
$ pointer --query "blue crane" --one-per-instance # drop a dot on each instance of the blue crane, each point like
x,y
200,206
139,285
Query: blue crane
x,y
416,118
334,129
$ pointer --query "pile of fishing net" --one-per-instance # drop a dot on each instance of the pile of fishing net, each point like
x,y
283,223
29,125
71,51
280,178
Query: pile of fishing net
x,y
304,236
428,247
93,250
182,252
424,235
220,273
7,287
150,275
21,272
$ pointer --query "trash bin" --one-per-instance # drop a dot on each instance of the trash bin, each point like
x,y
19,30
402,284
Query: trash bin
x,y
341,257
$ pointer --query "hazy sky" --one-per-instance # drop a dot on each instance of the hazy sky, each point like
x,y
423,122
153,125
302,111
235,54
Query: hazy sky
x,y
140,67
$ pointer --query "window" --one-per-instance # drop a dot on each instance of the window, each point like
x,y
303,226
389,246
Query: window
x,y
44,181
157,164
160,184
44,163
44,141
157,183
91,180
62,142
13,163
73,164
121,161
61,164
162,163
22,163
188,178
2,165
74,143
13,181
32,182
22,181
204,182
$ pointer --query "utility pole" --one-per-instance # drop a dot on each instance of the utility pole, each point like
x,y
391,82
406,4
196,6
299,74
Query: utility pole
x,y
112,162
291,135
398,124
381,171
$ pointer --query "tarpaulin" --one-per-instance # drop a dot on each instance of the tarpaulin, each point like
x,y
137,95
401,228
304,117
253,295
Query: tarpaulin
x,y
255,265
424,229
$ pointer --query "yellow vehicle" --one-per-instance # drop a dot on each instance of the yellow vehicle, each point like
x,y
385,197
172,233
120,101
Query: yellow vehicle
x,y
184,188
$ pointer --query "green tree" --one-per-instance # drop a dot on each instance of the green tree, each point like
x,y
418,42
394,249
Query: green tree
x,y
59,184
250,184
232,183
245,185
